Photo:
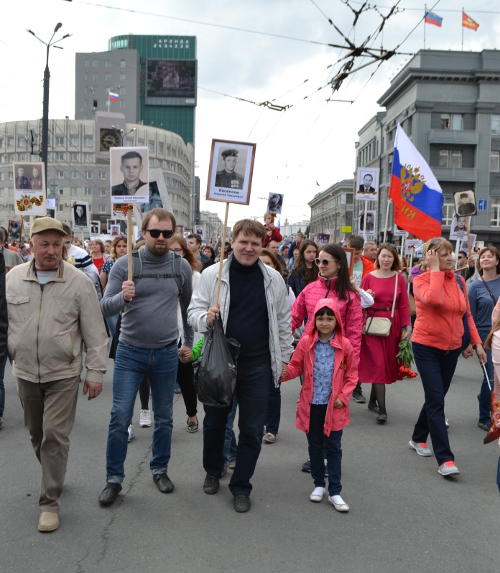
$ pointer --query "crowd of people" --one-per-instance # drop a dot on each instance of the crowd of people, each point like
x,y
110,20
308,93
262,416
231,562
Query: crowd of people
x,y
296,308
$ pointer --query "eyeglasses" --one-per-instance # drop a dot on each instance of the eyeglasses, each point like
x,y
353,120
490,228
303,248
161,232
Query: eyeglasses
x,y
155,233
435,241
323,261
178,251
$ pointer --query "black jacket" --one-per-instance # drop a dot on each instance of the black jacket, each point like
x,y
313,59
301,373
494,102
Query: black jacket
x,y
4,322
206,262
296,282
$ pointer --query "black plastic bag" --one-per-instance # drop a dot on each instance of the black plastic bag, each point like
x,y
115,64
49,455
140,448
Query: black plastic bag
x,y
216,376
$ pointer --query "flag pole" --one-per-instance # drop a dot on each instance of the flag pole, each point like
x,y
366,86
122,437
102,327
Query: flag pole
x,y
387,216
364,225
411,264
468,235
425,14
457,249
463,28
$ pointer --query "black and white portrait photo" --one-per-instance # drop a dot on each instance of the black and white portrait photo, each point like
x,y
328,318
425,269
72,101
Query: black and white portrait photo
x,y
231,171
370,222
154,198
80,215
465,203
458,228
275,203
129,167
14,230
367,184
200,230
95,227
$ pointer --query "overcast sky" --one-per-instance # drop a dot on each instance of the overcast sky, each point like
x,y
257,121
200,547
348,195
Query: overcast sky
x,y
312,141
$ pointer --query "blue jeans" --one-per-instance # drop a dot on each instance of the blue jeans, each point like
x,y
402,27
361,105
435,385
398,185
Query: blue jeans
x,y
484,395
436,368
2,385
252,386
230,445
112,321
318,442
131,363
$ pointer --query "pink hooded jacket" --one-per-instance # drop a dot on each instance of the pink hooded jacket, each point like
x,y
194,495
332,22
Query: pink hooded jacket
x,y
350,310
345,374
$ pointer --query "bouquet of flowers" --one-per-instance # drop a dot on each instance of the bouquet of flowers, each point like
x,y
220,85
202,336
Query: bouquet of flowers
x,y
405,360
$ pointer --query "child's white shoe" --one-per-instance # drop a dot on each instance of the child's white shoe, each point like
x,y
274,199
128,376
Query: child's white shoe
x,y
338,503
317,494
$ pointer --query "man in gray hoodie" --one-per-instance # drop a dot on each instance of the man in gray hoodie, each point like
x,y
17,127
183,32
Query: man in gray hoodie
x,y
147,345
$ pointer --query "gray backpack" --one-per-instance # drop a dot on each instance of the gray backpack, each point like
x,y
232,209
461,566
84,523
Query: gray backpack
x,y
177,274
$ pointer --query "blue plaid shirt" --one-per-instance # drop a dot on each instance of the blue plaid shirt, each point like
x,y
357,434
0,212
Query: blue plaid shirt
x,y
324,359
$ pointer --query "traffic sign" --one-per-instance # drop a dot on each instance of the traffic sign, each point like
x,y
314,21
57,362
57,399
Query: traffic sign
x,y
54,185
482,205
346,229
54,196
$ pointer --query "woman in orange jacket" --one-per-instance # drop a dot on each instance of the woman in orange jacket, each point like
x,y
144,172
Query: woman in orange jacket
x,y
442,304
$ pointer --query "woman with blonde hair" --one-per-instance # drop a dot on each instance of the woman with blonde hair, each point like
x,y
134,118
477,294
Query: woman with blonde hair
x,y
98,254
118,249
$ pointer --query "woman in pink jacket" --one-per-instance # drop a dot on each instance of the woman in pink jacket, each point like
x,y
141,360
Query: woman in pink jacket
x,y
326,359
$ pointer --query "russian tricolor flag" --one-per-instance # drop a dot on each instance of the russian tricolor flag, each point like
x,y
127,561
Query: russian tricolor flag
x,y
113,97
434,19
414,191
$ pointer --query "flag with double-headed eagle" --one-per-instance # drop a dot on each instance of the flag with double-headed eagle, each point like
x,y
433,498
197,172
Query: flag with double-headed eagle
x,y
414,191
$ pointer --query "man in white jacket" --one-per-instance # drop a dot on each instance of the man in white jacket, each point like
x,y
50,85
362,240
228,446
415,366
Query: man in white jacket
x,y
254,309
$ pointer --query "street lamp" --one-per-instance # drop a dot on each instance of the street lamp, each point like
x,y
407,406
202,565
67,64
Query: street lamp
x,y
122,132
46,83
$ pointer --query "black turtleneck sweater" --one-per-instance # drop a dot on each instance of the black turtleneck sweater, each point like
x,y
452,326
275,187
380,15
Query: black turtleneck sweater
x,y
248,321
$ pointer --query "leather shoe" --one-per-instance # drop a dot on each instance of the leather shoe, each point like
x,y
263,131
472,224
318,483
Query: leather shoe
x,y
110,493
242,503
211,484
49,521
484,426
163,483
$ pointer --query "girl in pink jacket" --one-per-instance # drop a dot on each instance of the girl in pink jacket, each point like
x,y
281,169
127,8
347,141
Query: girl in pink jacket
x,y
327,361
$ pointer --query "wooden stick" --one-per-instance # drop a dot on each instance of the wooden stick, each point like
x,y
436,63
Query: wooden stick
x,y
222,250
129,242
468,235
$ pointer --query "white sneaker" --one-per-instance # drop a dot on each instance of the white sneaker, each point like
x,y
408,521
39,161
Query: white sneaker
x,y
338,503
317,494
145,419
421,448
131,432
448,469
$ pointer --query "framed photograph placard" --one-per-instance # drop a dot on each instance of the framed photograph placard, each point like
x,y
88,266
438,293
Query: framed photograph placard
x,y
458,227
80,216
200,230
29,186
231,171
465,203
129,174
367,184
349,253
275,203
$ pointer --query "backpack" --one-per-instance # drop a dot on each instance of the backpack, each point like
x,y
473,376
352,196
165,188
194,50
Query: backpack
x,y
177,274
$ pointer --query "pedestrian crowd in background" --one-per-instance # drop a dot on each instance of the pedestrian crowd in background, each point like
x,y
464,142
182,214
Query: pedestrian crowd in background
x,y
297,309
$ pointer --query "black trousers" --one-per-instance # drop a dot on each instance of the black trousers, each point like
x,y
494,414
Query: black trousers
x,y
185,379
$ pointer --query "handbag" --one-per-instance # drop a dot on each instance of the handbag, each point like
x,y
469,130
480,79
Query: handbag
x,y
466,335
381,326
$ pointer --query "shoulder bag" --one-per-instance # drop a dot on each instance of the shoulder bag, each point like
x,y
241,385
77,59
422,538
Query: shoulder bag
x,y
380,326
489,291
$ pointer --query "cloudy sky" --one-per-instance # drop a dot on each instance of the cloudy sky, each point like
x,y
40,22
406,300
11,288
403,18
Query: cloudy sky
x,y
311,142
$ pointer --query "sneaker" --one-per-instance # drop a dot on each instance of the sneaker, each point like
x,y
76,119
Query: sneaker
x,y
211,484
231,461
486,425
192,427
242,503
448,469
447,423
318,494
177,390
131,432
269,438
338,503
326,468
358,397
306,466
145,419
421,449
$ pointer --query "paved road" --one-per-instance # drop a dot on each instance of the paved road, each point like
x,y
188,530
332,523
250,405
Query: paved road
x,y
404,516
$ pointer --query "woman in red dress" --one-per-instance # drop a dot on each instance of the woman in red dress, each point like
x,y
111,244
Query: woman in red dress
x,y
378,364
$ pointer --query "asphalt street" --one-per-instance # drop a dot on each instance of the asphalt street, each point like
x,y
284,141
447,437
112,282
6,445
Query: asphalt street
x,y
404,516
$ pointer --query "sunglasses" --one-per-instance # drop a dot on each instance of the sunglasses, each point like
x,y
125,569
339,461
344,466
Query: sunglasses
x,y
323,261
435,241
155,233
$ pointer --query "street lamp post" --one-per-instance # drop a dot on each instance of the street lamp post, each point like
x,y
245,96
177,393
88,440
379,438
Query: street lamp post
x,y
122,132
46,84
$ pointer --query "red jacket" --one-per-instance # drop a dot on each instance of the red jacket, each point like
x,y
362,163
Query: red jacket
x,y
345,375
367,265
276,235
440,309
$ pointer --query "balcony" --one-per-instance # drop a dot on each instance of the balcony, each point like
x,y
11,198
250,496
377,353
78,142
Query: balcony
x,y
465,137
455,174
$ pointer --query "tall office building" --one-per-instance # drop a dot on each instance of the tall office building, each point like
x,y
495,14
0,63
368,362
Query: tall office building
x,y
153,77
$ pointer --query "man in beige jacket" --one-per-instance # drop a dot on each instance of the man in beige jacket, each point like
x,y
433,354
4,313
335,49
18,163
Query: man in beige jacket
x,y
53,310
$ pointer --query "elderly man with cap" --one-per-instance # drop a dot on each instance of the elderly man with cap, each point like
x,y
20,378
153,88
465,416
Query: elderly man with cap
x,y
228,177
53,310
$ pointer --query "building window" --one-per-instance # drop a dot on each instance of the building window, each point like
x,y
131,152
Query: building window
x,y
88,174
151,162
122,103
140,143
169,149
88,141
129,142
456,158
74,175
95,77
108,89
3,159
2,142
151,146
122,91
60,156
108,63
88,157
11,142
60,174
61,207
59,140
102,209
495,161
452,121
11,207
123,77
122,63
21,156
22,142
34,157
102,174
73,191
86,63
495,125
102,193
86,89
88,190
160,147
495,213
444,158
61,191
86,76
448,210
95,63
94,90
73,156
74,141
2,176
108,77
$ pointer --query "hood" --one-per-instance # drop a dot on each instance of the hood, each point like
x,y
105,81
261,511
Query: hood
x,y
332,304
